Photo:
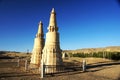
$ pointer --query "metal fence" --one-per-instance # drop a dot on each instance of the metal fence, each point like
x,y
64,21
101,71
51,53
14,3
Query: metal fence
x,y
13,63
43,70
5,63
52,69
55,69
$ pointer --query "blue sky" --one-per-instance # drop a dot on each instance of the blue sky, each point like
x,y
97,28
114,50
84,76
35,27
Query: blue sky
x,y
82,23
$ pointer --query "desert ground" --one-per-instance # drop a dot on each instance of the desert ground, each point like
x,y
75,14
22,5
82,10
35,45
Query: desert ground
x,y
97,69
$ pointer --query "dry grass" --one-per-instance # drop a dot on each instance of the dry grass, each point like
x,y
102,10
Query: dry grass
x,y
98,69
90,60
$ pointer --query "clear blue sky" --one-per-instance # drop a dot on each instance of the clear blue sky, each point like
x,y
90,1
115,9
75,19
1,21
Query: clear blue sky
x,y
82,23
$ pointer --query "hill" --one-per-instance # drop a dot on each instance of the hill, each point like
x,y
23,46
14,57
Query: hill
x,y
92,50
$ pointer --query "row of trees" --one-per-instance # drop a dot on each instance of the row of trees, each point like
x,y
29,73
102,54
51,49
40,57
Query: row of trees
x,y
108,55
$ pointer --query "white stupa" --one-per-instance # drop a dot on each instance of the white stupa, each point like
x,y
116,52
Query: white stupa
x,y
38,46
51,52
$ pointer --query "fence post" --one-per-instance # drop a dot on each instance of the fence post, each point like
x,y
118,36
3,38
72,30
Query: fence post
x,y
84,65
18,63
42,70
25,65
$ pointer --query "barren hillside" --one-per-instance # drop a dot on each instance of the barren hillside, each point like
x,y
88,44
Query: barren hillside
x,y
91,50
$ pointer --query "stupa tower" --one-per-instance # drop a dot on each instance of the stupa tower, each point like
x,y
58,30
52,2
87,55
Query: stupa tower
x,y
38,46
51,52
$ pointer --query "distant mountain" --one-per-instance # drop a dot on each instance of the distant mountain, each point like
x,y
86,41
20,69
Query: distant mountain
x,y
91,50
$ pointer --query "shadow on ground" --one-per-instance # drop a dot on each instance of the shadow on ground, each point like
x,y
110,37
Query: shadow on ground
x,y
108,63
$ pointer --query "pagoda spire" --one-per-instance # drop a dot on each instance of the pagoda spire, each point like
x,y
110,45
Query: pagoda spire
x,y
53,23
52,54
40,30
38,46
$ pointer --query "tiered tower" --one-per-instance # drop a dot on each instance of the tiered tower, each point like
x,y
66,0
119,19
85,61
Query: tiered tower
x,y
38,46
51,52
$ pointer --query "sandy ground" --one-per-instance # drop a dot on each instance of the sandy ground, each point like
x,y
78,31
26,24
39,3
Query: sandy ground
x,y
97,69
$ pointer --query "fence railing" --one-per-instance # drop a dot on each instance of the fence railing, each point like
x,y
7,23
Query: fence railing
x,y
51,69
43,69
12,63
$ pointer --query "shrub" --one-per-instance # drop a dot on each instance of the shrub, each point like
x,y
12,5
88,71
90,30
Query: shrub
x,y
115,56
108,55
